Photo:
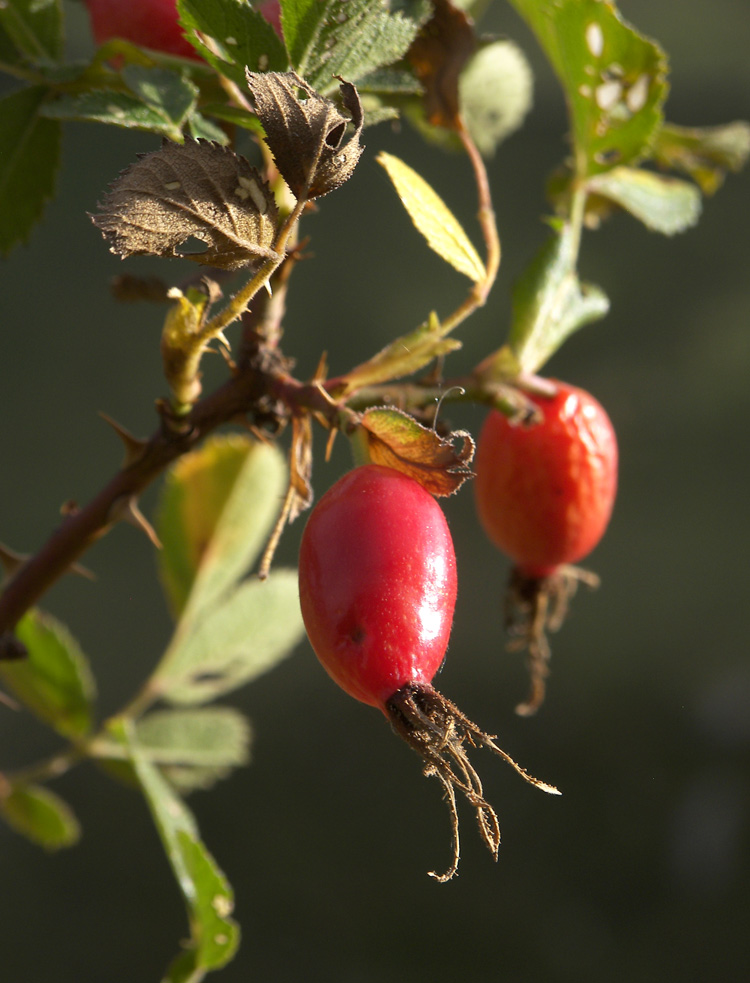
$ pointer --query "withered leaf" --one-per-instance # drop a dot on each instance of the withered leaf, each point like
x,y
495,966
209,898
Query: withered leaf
x,y
396,440
305,132
199,190
437,55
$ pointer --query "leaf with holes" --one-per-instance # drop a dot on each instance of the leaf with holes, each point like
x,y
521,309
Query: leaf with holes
x,y
305,132
614,78
197,190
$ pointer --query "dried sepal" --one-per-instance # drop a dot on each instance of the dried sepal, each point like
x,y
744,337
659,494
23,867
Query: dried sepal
x,y
437,730
396,440
535,606
195,190
305,132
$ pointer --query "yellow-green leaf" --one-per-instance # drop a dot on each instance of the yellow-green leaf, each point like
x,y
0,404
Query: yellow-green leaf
x,y
432,217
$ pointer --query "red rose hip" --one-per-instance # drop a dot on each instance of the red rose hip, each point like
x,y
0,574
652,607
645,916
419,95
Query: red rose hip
x,y
377,582
544,495
151,23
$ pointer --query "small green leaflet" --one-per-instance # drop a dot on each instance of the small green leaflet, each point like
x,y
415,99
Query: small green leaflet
x,y
159,101
550,303
28,164
40,816
55,680
208,895
664,204
432,217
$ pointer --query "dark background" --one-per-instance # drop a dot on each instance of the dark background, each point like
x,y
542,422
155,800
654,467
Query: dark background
x,y
640,871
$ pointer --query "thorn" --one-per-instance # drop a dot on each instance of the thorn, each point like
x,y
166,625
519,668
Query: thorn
x,y
322,370
9,701
10,560
133,446
128,511
81,571
69,508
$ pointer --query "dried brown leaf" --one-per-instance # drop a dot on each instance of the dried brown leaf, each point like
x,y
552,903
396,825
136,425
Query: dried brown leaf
x,y
438,53
396,440
305,132
200,190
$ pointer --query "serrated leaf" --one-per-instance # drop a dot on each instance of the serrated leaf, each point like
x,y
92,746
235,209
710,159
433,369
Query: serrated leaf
x,y
664,204
614,78
40,816
197,190
33,28
113,109
54,681
704,153
432,217
395,440
350,38
550,303
240,37
208,896
171,95
28,164
195,748
305,133
403,356
216,509
495,94
233,642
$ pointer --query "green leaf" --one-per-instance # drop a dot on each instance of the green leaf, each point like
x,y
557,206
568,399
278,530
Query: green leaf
x,y
217,507
40,816
403,356
113,108
241,37
232,114
664,204
232,642
54,681
550,303
33,28
170,94
614,78
350,38
208,896
495,94
704,153
195,748
28,164
432,217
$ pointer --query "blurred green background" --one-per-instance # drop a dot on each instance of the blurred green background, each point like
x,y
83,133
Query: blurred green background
x,y
640,870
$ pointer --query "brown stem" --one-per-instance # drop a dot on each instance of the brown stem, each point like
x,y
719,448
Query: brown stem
x,y
242,394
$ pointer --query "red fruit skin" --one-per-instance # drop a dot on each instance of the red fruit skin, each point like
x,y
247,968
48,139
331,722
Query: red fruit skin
x,y
151,23
377,583
545,493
